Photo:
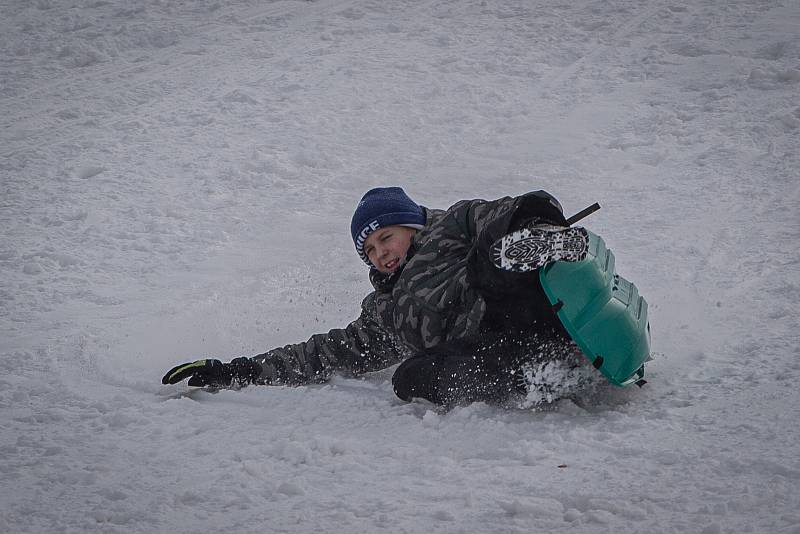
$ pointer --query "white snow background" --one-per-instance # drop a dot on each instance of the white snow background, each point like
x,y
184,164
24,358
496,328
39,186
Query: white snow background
x,y
177,180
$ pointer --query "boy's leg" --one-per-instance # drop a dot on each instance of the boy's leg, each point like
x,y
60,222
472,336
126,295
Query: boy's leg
x,y
453,374
417,378
448,377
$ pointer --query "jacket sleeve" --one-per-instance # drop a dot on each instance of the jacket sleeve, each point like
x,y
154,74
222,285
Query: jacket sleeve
x,y
487,221
363,346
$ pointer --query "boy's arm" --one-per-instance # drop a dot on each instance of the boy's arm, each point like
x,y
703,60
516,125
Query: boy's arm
x,y
360,347
490,220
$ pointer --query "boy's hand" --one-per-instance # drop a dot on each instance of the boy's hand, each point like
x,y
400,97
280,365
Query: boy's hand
x,y
199,373
214,373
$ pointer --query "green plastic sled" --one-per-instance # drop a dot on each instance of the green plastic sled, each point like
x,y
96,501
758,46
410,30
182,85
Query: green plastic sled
x,y
602,312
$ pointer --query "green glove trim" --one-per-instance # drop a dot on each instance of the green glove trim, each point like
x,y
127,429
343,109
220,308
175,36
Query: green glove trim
x,y
178,373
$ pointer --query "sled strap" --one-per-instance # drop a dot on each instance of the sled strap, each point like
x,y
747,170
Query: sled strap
x,y
583,213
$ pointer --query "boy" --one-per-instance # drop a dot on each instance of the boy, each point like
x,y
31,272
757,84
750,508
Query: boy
x,y
463,328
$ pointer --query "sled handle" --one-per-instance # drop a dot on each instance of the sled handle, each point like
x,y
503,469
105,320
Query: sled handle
x,y
583,213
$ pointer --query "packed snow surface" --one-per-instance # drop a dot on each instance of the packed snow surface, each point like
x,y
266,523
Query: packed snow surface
x,y
177,179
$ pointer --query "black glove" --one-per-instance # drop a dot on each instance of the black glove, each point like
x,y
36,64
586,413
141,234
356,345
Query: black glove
x,y
240,372
539,207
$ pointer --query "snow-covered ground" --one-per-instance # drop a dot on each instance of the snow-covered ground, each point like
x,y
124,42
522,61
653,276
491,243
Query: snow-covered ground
x,y
177,179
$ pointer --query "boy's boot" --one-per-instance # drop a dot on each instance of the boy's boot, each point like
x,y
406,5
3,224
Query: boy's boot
x,y
532,247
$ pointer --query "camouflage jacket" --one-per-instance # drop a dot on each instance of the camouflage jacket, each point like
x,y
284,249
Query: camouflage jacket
x,y
447,291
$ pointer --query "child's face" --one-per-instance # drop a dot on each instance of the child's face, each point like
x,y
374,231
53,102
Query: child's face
x,y
387,247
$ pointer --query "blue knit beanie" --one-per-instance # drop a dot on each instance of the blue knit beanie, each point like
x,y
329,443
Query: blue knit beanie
x,y
382,207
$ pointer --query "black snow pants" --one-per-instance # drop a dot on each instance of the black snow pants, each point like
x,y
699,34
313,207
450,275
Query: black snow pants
x,y
489,372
